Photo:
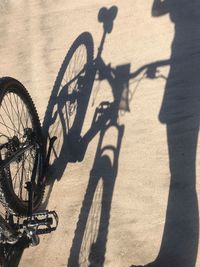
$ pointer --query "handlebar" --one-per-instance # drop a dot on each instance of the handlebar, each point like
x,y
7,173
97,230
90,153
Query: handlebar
x,y
151,69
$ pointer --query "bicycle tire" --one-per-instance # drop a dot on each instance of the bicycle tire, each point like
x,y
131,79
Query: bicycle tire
x,y
57,117
18,115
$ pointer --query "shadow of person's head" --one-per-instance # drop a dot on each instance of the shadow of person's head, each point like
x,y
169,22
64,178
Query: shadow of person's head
x,y
180,11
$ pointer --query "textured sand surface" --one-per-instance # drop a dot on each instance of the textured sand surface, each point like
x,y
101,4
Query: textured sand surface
x,y
120,219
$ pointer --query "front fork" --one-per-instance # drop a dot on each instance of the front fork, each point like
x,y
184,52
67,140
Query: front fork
x,y
46,220
37,223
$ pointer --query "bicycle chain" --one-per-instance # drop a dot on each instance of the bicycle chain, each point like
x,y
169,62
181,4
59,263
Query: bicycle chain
x,y
4,202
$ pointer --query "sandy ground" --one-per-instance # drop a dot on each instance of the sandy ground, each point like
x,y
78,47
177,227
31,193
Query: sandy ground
x,y
113,207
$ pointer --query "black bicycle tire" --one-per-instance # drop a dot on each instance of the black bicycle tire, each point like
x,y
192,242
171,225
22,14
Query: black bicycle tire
x,y
9,199
85,39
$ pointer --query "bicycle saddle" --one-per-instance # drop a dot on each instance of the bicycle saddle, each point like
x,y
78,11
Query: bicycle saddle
x,y
107,16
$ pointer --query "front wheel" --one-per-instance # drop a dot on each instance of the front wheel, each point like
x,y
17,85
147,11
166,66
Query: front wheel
x,y
19,128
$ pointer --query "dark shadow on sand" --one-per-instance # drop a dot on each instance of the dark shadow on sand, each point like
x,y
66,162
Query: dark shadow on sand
x,y
180,112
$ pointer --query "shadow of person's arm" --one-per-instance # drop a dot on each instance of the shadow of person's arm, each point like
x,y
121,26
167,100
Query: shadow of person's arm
x,y
159,8
150,69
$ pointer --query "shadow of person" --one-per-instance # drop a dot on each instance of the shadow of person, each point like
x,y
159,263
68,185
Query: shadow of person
x,y
180,112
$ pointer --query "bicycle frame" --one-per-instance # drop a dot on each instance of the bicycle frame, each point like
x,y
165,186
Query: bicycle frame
x,y
5,163
33,225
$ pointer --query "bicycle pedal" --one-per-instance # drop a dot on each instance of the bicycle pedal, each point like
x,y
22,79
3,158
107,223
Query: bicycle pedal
x,y
42,222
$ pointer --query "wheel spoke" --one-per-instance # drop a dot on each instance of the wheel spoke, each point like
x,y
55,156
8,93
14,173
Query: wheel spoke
x,y
17,115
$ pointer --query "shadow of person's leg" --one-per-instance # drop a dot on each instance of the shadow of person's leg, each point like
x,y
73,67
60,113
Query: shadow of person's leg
x,y
179,244
181,233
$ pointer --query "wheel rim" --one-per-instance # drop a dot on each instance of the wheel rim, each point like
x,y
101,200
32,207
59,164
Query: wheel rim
x,y
15,118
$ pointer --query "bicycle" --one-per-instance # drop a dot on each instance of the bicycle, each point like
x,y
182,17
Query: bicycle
x,y
23,162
